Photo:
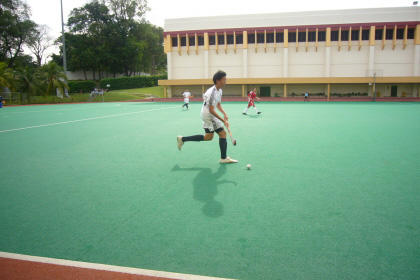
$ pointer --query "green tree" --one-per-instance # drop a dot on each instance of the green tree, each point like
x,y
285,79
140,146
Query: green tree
x,y
29,81
15,29
6,76
52,77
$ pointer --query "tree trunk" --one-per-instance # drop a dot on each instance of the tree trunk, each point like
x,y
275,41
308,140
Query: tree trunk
x,y
94,76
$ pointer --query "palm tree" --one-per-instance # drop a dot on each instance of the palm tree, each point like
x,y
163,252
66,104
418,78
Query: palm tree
x,y
28,81
53,78
6,77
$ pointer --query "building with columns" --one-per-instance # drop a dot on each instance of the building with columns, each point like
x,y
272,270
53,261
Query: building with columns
x,y
325,53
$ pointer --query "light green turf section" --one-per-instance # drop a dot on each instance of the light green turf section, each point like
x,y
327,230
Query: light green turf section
x,y
333,192
155,91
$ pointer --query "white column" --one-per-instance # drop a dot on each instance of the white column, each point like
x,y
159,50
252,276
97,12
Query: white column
x,y
371,65
206,64
169,57
416,60
245,63
169,90
327,62
286,62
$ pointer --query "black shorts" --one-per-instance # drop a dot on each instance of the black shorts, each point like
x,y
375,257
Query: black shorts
x,y
217,130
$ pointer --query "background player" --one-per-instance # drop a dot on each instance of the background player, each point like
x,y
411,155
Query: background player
x,y
186,94
251,96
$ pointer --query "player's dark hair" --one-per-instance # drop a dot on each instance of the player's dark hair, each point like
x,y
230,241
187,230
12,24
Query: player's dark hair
x,y
218,76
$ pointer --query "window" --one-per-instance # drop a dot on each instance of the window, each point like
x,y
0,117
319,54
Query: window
x,y
345,35
221,39
389,34
212,40
239,38
270,37
410,33
378,34
292,37
230,39
174,41
200,40
312,36
192,40
251,38
302,36
322,36
279,37
183,41
365,34
334,35
260,38
355,35
400,34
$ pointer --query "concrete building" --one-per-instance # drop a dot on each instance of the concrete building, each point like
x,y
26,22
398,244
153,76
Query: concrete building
x,y
324,53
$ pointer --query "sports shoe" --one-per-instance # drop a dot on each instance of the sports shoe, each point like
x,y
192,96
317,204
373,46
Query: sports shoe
x,y
259,113
180,142
228,160
243,113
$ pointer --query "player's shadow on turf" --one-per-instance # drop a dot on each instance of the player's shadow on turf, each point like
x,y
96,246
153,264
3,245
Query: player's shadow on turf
x,y
205,188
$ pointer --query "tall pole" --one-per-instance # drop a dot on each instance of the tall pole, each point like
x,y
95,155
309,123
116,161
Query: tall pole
x,y
64,41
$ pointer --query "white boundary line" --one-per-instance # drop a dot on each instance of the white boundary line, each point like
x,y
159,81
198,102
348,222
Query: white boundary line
x,y
112,268
63,109
110,116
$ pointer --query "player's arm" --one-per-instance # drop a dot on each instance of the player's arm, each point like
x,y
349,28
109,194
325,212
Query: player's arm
x,y
220,108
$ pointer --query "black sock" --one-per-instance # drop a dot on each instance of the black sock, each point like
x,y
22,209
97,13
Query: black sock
x,y
223,147
186,104
193,138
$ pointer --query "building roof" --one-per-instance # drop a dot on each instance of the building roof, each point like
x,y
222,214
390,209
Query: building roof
x,y
356,17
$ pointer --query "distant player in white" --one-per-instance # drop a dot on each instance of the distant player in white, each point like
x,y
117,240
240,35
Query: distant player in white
x,y
212,122
186,94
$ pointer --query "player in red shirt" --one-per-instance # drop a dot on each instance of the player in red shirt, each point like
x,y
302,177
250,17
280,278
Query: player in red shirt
x,y
251,96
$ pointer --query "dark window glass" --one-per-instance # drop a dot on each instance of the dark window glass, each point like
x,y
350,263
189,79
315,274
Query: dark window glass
x,y
355,35
183,41
260,38
192,40
251,38
345,35
221,39
200,40
230,39
322,36
174,41
239,38
334,35
365,34
212,40
279,37
270,37
292,37
400,34
378,34
312,36
410,33
302,36
389,34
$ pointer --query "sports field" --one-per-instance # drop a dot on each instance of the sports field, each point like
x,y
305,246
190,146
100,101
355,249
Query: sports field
x,y
333,193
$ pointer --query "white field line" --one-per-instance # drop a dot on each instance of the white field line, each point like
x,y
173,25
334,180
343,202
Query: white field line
x,y
81,120
113,268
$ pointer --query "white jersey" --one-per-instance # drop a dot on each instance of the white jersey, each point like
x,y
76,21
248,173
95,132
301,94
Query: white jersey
x,y
186,95
211,97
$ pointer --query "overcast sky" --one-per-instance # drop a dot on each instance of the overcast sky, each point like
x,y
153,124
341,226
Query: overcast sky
x,y
48,12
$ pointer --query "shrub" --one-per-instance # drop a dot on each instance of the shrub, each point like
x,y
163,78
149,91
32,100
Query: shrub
x,y
84,86
131,82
